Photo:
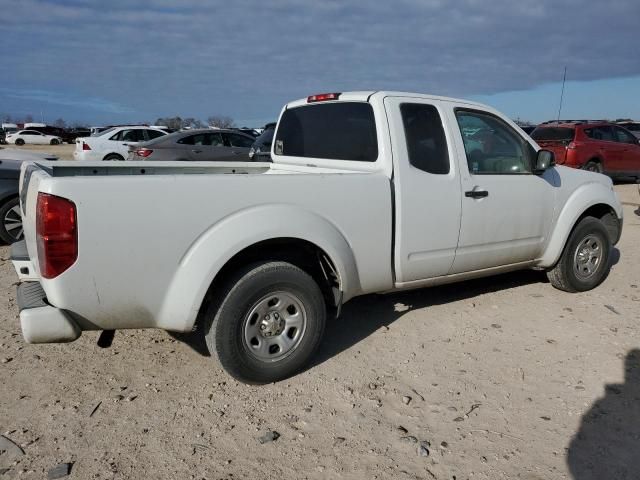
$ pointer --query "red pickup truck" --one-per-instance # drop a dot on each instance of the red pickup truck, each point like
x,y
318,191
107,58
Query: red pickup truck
x,y
597,146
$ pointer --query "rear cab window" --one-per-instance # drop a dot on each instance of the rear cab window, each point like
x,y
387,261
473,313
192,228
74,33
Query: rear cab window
x,y
332,131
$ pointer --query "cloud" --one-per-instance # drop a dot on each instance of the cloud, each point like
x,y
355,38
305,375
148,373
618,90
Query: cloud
x,y
57,98
248,57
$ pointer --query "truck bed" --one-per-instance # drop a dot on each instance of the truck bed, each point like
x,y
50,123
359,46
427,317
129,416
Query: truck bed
x,y
143,228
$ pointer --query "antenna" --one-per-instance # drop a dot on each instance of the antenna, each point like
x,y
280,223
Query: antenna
x,y
564,78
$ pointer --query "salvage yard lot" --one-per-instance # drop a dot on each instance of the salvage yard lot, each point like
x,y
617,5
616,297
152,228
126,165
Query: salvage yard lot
x,y
496,375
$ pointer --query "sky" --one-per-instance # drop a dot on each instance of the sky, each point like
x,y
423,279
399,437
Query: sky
x,y
122,61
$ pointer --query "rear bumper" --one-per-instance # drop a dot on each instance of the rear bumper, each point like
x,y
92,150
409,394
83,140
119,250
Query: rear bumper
x,y
41,322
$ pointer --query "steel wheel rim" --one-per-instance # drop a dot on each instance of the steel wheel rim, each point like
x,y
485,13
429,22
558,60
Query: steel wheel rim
x,y
587,257
274,326
13,222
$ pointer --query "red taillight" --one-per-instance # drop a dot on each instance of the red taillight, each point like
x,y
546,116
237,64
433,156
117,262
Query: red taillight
x,y
56,233
571,146
144,152
321,97
85,146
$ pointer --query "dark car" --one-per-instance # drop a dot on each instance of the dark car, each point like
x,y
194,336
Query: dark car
x,y
77,133
56,131
248,131
260,151
3,136
11,219
594,145
195,145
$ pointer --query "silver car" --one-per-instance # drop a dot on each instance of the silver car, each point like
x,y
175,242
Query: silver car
x,y
195,145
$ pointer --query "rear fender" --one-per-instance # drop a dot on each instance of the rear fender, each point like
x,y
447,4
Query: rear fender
x,y
231,235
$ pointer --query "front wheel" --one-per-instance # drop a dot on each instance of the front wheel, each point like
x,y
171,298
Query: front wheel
x,y
266,323
19,141
584,263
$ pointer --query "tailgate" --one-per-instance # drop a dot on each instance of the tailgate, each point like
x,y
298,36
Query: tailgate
x,y
30,177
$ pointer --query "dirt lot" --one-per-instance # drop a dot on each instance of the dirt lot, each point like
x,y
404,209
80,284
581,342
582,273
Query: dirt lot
x,y
63,152
501,378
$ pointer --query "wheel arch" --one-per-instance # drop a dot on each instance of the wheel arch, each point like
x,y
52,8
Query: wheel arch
x,y
593,200
277,232
112,154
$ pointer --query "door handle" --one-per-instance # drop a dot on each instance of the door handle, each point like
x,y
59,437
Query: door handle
x,y
196,151
476,194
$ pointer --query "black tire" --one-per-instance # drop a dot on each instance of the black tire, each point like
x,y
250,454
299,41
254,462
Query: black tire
x,y
227,319
11,217
565,275
593,166
54,142
19,141
113,156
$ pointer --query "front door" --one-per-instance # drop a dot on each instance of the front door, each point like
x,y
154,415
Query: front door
x,y
427,189
630,151
506,209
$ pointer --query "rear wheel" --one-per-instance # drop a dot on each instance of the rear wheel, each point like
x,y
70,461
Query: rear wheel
x,y
54,141
593,166
266,323
19,141
113,156
11,226
584,263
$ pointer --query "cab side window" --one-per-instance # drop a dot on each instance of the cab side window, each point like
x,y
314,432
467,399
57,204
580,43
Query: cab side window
x,y
624,137
426,142
492,147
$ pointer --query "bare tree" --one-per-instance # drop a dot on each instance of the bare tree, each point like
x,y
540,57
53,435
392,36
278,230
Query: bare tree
x,y
60,123
220,121
28,118
6,118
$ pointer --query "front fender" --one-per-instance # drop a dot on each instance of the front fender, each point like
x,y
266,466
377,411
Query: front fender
x,y
228,237
580,201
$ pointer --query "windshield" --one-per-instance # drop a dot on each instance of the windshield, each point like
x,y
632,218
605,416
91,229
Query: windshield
x,y
559,134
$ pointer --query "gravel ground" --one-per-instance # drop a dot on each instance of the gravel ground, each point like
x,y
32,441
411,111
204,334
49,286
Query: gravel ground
x,y
499,378
63,152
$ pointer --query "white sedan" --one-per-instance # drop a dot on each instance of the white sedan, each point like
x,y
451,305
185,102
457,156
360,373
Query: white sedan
x,y
113,143
32,137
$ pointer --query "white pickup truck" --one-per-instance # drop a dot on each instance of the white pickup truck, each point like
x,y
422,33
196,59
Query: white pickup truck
x,y
368,192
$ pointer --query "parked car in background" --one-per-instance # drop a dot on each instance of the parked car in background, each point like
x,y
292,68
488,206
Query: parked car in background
x,y
113,143
247,131
195,145
597,146
55,131
260,151
10,216
75,133
633,127
32,137
9,128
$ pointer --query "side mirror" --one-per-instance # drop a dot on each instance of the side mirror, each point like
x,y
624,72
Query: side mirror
x,y
544,160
